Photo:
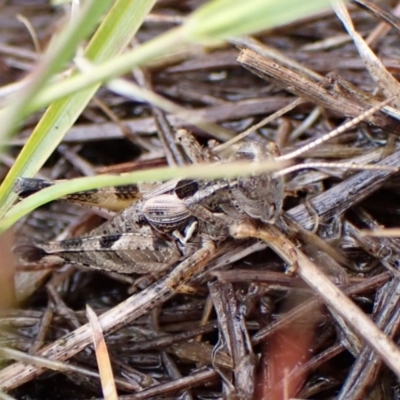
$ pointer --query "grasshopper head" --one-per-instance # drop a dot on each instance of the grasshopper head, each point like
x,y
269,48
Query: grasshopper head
x,y
260,195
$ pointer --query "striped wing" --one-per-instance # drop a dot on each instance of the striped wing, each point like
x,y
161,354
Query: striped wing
x,y
124,253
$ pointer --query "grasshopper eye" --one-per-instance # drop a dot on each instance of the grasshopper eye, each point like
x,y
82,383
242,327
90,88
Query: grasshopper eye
x,y
186,188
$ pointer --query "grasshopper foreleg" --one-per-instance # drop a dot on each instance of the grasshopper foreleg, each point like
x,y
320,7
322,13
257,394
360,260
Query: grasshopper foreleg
x,y
192,265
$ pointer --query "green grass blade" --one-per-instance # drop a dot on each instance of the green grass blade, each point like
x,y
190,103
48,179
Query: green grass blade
x,y
153,175
141,55
114,34
215,20
60,51
222,19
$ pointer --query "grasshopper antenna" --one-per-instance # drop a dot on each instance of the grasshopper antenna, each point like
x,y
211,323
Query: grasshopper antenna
x,y
330,135
348,125
346,166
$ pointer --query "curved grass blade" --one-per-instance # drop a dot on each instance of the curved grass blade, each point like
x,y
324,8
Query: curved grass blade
x,y
113,35
223,19
157,174
226,21
59,52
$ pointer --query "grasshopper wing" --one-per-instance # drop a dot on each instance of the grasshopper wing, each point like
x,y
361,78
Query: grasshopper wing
x,y
124,253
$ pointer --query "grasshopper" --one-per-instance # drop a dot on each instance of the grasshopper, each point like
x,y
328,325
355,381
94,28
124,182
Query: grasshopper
x,y
169,223
180,219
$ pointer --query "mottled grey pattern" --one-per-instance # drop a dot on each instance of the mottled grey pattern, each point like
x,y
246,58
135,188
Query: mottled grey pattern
x,y
259,196
172,221
126,253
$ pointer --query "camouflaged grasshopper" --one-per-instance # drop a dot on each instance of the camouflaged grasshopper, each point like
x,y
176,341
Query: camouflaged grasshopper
x,y
178,220
167,224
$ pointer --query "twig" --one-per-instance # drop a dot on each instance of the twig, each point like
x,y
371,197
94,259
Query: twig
x,y
331,294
